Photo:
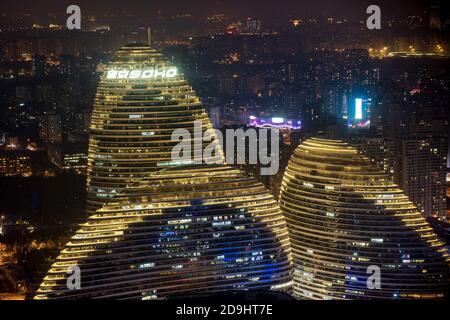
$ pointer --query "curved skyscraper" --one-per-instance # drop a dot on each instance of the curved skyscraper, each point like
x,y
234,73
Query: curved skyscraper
x,y
193,229
164,228
141,99
350,226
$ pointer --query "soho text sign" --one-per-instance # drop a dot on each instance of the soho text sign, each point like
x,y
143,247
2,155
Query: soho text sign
x,y
151,73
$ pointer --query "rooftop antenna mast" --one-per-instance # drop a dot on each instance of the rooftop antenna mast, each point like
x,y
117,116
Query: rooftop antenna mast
x,y
149,36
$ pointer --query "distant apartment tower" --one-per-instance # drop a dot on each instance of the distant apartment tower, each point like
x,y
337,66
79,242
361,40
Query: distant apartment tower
x,y
50,128
439,15
420,171
416,163
15,164
68,157
23,94
39,68
68,64
214,115
435,15
252,26
381,151
419,154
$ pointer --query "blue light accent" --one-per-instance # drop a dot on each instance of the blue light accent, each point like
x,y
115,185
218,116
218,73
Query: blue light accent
x,y
358,109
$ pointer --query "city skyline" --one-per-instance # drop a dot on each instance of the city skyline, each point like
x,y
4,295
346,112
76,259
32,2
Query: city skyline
x,y
210,149
346,8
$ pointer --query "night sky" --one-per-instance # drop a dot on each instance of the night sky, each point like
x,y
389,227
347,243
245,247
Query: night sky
x,y
254,8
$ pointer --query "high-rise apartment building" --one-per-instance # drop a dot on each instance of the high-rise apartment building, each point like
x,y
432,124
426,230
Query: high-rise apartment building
x,y
413,151
15,163
420,170
381,151
50,128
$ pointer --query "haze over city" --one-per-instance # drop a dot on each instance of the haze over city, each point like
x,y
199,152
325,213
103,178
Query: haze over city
x,y
247,150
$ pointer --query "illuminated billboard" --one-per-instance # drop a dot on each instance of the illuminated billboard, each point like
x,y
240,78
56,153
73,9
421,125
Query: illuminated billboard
x,y
274,122
142,74
359,115
358,109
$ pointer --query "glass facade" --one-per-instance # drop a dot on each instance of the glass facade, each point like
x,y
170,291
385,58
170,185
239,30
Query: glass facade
x,y
141,99
193,229
344,215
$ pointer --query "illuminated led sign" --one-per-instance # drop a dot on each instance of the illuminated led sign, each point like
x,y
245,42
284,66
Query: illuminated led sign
x,y
358,109
151,73
275,122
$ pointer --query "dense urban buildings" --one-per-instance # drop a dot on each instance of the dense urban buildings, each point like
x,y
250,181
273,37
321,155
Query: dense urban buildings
x,y
69,157
50,128
344,215
15,163
420,172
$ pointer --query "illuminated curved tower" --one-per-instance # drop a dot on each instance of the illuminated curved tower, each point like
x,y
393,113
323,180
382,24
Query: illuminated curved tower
x,y
161,227
141,99
191,229
347,221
